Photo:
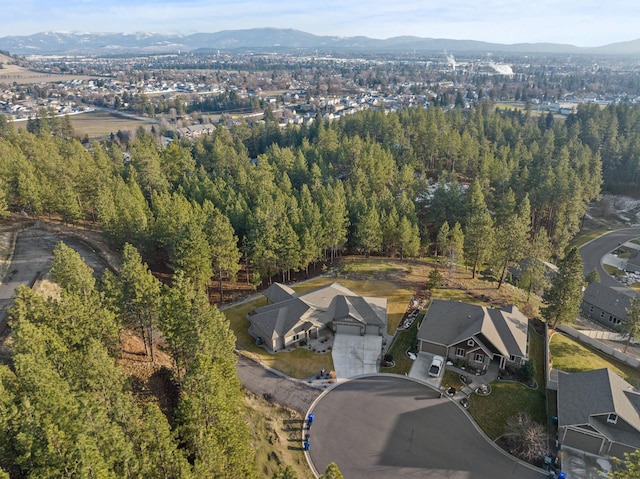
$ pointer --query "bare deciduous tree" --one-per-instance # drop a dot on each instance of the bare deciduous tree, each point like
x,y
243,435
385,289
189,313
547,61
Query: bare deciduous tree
x,y
529,437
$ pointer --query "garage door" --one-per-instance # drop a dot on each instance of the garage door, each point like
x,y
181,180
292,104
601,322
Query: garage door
x,y
348,328
584,442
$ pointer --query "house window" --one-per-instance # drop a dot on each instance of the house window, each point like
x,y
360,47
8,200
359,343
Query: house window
x,y
591,309
296,337
612,418
512,358
471,343
478,357
602,314
460,352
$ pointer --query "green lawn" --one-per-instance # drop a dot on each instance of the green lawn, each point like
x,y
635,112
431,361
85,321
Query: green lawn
x,y
508,399
572,356
404,341
302,363
613,270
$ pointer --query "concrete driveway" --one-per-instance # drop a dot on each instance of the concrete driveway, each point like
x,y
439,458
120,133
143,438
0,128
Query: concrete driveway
x,y
388,426
355,355
420,370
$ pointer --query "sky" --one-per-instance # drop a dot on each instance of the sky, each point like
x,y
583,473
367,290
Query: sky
x,y
576,22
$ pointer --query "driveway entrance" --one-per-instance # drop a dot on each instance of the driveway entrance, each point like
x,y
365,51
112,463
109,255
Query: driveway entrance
x,y
354,355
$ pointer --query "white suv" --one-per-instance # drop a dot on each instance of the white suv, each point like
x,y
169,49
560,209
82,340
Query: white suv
x,y
436,366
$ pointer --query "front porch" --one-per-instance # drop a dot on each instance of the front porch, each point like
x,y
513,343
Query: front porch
x,y
476,377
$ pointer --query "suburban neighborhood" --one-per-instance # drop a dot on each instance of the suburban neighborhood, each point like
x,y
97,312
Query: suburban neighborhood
x,y
317,260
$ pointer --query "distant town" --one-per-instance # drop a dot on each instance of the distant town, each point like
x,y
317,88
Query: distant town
x,y
189,93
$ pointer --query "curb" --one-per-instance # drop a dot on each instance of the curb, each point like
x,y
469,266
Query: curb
x,y
466,413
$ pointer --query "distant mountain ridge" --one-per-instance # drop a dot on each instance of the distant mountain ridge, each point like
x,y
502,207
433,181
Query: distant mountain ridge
x,y
275,38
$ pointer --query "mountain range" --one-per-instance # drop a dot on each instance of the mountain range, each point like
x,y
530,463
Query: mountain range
x,y
271,39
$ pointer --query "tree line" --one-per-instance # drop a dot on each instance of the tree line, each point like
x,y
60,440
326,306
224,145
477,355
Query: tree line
x,y
69,410
280,200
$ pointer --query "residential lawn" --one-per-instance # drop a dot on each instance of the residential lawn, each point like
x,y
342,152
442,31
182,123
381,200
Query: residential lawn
x,y
572,356
299,363
403,341
508,399
302,363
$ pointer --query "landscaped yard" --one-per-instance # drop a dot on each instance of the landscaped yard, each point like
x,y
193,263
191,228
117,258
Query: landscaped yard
x,y
302,363
507,399
571,356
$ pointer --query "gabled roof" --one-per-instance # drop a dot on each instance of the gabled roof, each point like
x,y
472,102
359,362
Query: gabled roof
x,y
291,312
356,309
279,292
280,318
589,397
608,299
451,322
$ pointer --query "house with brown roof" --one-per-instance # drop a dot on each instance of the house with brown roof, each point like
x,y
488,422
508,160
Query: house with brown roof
x,y
598,412
292,318
475,334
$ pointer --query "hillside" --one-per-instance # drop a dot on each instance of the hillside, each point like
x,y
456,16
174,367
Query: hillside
x,y
276,39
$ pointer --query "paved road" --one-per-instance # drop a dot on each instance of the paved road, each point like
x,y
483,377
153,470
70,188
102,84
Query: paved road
x,y
382,426
593,252
32,258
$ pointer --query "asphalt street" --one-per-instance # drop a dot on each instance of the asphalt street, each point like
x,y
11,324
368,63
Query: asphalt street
x,y
382,426
593,252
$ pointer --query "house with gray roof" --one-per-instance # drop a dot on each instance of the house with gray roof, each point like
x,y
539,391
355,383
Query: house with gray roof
x,y
605,305
598,412
292,318
475,334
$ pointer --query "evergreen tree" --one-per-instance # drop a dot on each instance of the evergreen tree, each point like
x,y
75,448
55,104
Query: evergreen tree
x,y
630,327
534,275
70,271
510,238
478,231
562,299
332,472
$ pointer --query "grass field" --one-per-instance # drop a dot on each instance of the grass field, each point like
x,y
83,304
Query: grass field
x,y
571,356
14,73
98,124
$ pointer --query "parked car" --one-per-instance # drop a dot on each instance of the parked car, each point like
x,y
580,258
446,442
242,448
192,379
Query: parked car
x,y
436,366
